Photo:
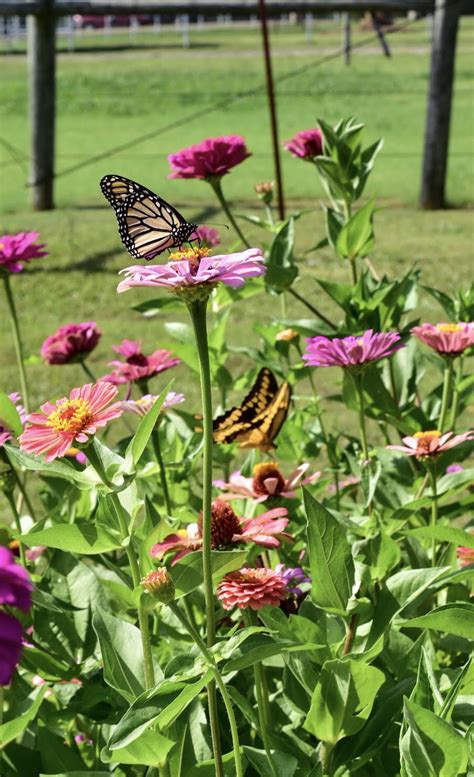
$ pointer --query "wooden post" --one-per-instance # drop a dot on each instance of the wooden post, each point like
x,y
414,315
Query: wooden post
x,y
346,37
435,159
382,39
41,36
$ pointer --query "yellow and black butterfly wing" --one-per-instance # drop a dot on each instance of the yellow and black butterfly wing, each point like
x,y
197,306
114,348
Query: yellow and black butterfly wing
x,y
265,427
240,418
148,225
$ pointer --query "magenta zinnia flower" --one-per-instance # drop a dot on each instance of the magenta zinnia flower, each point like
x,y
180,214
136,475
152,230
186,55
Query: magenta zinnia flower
x,y
351,351
10,646
212,158
208,236
252,588
431,443
143,405
306,144
194,268
227,529
267,481
17,250
70,420
71,343
137,366
5,432
446,339
15,585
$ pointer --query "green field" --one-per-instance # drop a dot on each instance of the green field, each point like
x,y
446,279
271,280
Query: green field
x,y
128,86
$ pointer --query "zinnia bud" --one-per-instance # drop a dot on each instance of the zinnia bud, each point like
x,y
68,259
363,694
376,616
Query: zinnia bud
x,y
265,191
286,335
159,585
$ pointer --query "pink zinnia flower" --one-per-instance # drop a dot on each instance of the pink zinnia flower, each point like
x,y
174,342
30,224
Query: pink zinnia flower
x,y
349,482
465,554
306,144
227,529
73,419
351,351
252,588
18,249
267,481
137,366
142,406
212,158
71,343
5,433
447,339
432,443
208,236
193,268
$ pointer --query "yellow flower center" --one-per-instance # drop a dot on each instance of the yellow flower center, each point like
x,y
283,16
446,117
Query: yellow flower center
x,y
449,328
73,415
189,254
425,439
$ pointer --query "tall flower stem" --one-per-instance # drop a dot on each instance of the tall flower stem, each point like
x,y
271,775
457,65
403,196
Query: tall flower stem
x,y
447,385
17,341
358,381
220,683
16,518
197,310
455,401
325,757
24,494
262,701
312,308
155,441
88,371
434,510
217,186
125,536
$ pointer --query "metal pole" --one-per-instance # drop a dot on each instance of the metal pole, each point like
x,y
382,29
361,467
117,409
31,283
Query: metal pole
x,y
346,37
435,160
41,36
272,107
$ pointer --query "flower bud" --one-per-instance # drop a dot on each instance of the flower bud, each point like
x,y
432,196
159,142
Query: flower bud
x,y
287,335
159,585
265,191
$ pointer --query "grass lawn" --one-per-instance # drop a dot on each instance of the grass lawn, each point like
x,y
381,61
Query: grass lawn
x,y
107,97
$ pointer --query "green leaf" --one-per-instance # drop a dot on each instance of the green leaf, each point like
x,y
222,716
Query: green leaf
x,y
145,428
451,618
9,416
281,267
80,537
443,534
343,699
208,768
187,573
431,747
285,764
77,774
13,728
122,653
331,563
261,646
149,749
356,236
57,469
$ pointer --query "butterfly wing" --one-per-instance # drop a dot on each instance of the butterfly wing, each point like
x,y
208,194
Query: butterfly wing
x,y
239,419
267,424
148,225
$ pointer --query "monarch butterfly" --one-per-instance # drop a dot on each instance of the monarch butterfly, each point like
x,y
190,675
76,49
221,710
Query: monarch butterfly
x,y
256,422
147,224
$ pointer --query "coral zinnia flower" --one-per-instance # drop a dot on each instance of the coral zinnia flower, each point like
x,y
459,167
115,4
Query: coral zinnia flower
x,y
427,444
252,588
194,268
18,249
71,343
15,585
465,555
10,646
144,404
306,144
212,158
227,529
267,481
5,432
71,420
208,236
137,366
447,339
351,351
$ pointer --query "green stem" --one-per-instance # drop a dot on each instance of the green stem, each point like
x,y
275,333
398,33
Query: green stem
x,y
21,488
311,307
350,634
17,342
325,757
88,372
220,683
262,702
434,511
217,186
155,440
363,432
16,518
197,312
447,384
353,271
455,402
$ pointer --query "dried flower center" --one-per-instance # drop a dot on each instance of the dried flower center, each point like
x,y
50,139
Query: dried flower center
x,y
191,255
424,440
224,524
137,359
264,472
449,328
73,415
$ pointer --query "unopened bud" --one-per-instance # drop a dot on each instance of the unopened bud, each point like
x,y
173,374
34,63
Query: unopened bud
x,y
7,482
287,335
159,584
265,191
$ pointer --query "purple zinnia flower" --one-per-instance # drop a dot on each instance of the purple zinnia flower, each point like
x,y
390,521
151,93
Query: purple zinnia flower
x,y
306,144
293,577
351,351
18,249
15,585
137,365
212,158
10,646
208,236
5,433
71,343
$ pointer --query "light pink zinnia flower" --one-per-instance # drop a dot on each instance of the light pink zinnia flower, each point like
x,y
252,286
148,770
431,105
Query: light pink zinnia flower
x,y
208,236
267,481
212,158
447,339
227,529
252,588
351,351
5,432
142,406
137,366
349,482
306,144
432,443
17,250
74,419
71,343
194,268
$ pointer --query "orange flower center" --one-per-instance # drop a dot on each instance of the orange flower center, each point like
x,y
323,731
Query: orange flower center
x,y
73,415
449,328
261,473
424,440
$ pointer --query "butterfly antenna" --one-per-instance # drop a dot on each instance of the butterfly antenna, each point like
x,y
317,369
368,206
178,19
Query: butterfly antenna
x,y
216,224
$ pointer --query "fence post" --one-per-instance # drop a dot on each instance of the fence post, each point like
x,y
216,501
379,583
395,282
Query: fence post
x,y
346,37
435,158
41,37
